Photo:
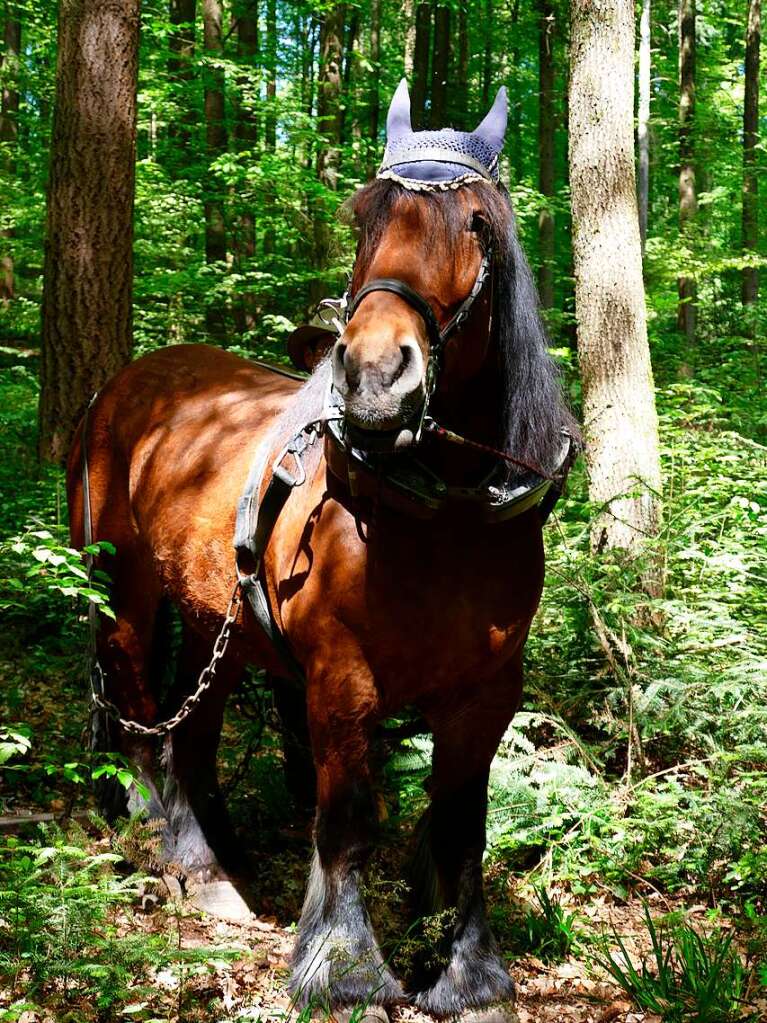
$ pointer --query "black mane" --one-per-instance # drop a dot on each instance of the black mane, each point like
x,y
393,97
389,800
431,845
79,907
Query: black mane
x,y
534,411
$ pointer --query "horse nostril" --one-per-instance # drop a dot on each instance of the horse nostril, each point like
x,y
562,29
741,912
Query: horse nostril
x,y
339,365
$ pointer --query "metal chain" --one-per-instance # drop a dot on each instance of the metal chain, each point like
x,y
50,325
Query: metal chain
x,y
203,682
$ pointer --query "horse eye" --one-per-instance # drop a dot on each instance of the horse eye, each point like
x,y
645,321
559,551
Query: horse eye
x,y
478,224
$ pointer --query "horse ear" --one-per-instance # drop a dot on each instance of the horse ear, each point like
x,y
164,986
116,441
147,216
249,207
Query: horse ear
x,y
398,118
492,129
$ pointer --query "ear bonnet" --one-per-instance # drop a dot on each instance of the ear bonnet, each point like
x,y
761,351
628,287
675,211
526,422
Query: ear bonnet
x,y
439,160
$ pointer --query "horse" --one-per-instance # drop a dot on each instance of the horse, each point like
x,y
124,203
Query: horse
x,y
401,567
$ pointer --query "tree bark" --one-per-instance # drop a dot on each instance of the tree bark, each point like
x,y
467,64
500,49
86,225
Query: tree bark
x,y
183,14
516,98
459,114
421,50
329,113
750,282
215,145
618,396
375,83
408,11
9,133
351,54
546,29
688,203
88,276
329,124
440,67
487,56
246,135
270,128
643,120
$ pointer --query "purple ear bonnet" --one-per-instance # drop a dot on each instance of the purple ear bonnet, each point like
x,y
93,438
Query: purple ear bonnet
x,y
436,160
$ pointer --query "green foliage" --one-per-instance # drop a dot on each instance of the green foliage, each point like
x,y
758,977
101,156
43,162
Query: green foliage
x,y
66,931
545,930
688,975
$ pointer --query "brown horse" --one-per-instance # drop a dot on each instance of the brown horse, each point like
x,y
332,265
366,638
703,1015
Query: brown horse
x,y
382,610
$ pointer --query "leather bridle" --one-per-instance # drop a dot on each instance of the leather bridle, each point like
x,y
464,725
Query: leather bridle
x,y
438,336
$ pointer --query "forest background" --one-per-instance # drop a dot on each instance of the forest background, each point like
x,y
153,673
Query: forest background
x,y
636,768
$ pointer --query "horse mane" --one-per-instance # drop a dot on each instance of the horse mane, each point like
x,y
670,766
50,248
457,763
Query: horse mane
x,y
534,411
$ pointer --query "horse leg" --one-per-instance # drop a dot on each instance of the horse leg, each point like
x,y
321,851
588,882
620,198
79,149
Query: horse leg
x,y
127,651
300,779
449,861
336,961
199,837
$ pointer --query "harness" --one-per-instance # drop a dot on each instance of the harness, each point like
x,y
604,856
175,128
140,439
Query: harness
x,y
401,481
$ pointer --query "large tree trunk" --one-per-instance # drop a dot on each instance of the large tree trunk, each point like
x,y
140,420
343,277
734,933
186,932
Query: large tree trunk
x,y
487,56
246,135
516,98
618,396
546,28
408,17
9,131
180,73
688,203
440,67
329,124
88,277
215,144
750,284
421,51
643,120
329,113
351,56
459,114
375,83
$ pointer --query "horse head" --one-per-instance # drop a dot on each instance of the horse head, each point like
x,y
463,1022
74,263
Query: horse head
x,y
426,230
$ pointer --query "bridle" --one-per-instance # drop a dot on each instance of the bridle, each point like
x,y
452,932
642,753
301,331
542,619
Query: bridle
x,y
342,311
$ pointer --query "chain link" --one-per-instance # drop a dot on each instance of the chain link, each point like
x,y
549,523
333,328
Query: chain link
x,y
203,682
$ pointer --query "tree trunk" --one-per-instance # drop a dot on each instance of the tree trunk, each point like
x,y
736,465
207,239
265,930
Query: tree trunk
x,y
750,283
352,39
618,396
440,67
246,135
487,57
459,114
643,120
546,28
215,145
516,98
375,83
329,113
420,66
9,131
88,277
408,11
270,132
329,125
688,203
181,73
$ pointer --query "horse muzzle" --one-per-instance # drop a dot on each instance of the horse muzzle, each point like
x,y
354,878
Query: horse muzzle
x,y
382,397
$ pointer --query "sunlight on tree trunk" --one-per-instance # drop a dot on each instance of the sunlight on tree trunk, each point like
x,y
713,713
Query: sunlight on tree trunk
x,y
750,284
546,30
643,118
9,133
620,421
440,67
421,49
246,137
181,73
688,202
215,145
86,329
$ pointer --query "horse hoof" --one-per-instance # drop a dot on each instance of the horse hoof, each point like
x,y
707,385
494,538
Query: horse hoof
x,y
504,1012
373,1014
219,898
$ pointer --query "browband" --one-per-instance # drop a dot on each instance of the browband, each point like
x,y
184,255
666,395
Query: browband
x,y
436,154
